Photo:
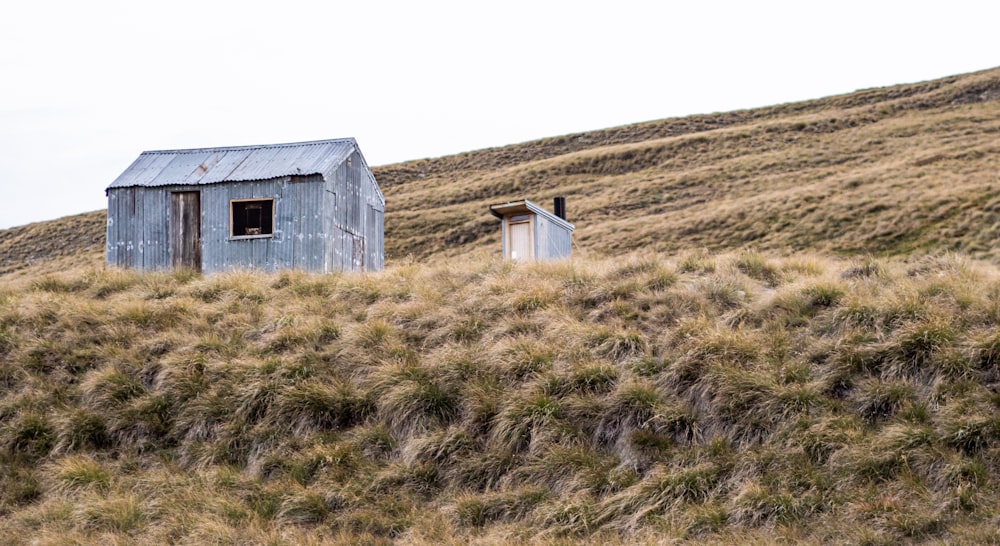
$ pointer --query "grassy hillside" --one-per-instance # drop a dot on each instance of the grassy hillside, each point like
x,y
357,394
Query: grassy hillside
x,y
893,171
779,324
730,398
56,245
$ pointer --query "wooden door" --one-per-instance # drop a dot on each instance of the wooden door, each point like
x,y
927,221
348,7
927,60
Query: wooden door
x,y
520,241
185,230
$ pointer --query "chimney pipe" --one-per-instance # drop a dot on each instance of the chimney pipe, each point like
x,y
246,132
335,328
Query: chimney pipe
x,y
559,207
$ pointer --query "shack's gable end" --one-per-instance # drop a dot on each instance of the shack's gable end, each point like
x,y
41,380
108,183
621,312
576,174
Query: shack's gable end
x,y
355,217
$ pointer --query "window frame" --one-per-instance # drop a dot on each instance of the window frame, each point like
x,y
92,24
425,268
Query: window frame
x,y
232,223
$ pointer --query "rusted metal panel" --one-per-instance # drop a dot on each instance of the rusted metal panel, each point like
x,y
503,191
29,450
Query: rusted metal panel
x,y
143,171
182,169
234,164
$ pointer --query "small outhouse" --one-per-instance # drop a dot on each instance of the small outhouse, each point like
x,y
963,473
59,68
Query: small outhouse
x,y
530,232
313,206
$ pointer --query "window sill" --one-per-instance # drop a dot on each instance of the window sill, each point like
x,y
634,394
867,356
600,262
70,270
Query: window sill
x,y
245,237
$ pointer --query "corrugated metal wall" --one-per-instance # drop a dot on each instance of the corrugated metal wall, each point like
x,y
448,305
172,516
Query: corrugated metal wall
x,y
319,225
357,226
298,238
137,228
552,241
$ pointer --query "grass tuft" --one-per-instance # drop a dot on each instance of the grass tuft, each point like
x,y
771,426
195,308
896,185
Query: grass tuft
x,y
738,398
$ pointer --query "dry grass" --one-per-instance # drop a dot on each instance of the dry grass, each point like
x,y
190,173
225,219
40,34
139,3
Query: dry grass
x,y
890,171
735,390
57,245
713,397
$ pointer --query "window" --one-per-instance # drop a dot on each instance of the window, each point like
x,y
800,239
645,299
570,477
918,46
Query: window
x,y
251,218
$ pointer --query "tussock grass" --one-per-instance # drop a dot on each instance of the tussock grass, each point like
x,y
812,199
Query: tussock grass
x,y
715,397
724,394
75,473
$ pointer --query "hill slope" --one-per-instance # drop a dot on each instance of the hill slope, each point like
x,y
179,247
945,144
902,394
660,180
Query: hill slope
x,y
895,170
722,398
891,170
54,245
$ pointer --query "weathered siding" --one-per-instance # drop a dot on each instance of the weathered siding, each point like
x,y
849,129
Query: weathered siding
x,y
138,236
372,205
297,239
127,240
324,220
552,241
357,241
154,246
115,244
551,236
504,235
375,239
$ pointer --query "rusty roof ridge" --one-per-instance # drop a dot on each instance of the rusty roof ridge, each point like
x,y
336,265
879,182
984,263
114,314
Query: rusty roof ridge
x,y
252,146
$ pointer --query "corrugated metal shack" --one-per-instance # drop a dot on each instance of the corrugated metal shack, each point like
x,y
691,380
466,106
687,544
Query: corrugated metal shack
x,y
530,232
313,206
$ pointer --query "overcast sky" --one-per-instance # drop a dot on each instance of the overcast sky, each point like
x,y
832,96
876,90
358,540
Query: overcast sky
x,y
86,86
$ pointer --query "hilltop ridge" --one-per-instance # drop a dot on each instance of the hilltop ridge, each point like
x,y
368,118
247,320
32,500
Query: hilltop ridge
x,y
917,96
897,170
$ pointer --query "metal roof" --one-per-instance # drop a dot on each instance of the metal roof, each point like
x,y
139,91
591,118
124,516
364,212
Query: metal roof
x,y
514,207
236,163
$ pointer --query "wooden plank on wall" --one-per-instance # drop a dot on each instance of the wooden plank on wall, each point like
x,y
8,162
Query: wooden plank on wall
x,y
185,229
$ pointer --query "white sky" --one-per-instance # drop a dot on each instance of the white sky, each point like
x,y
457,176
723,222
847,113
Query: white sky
x,y
86,86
